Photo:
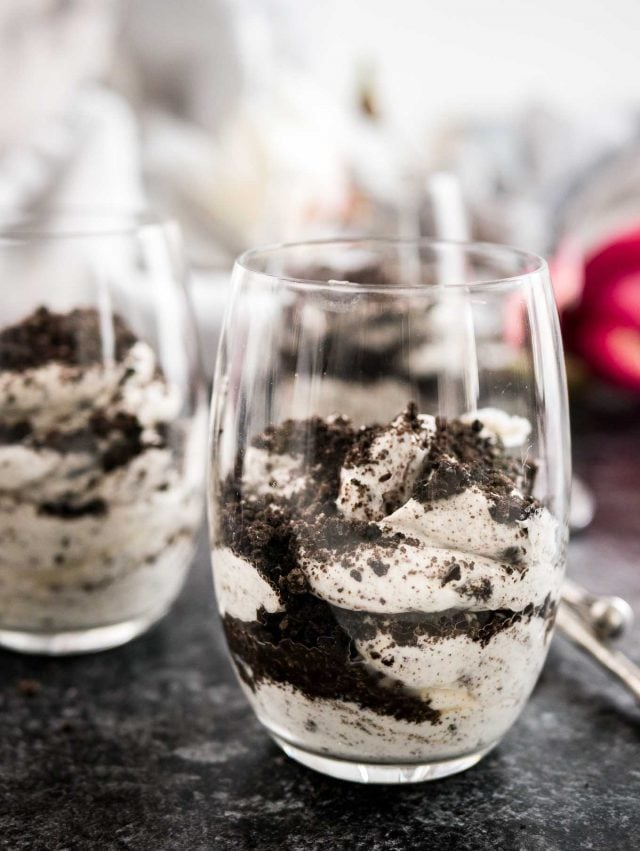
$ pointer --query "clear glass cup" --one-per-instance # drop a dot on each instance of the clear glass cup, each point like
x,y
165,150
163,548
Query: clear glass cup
x,y
388,498
101,433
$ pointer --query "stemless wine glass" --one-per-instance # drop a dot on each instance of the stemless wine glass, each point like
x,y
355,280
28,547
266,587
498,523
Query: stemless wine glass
x,y
388,495
101,432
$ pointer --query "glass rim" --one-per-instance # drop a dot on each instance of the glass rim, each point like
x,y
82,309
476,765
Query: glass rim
x,y
534,263
77,222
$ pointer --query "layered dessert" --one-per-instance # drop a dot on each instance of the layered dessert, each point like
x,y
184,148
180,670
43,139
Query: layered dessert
x,y
100,475
387,591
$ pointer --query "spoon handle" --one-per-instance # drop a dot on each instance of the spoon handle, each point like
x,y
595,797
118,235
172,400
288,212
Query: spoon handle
x,y
607,617
572,626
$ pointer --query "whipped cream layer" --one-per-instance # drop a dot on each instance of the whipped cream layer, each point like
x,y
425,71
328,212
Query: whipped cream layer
x,y
241,590
66,396
100,474
420,543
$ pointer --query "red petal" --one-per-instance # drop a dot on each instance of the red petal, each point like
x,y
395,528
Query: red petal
x,y
611,350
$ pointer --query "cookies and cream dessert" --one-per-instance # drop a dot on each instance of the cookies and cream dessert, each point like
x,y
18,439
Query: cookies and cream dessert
x,y
387,591
100,475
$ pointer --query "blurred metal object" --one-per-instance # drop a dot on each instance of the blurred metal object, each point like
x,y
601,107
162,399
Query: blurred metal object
x,y
607,617
576,630
583,505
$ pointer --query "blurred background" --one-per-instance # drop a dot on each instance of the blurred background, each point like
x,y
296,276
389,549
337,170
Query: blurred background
x,y
255,121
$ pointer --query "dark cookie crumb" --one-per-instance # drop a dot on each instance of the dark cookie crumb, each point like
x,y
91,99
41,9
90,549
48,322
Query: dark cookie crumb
x,y
452,575
512,555
70,511
312,653
73,338
378,567
125,434
509,508
14,433
479,589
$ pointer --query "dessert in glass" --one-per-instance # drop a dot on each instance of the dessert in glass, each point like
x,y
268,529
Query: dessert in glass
x,y
101,435
388,497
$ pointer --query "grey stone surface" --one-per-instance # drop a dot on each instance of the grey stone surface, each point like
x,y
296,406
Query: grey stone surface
x,y
152,746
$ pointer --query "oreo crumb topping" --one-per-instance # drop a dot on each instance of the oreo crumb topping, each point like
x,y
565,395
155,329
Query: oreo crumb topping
x,y
459,458
73,338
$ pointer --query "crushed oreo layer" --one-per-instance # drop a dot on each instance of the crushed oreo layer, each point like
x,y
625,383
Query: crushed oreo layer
x,y
413,628
408,422
307,648
311,644
73,339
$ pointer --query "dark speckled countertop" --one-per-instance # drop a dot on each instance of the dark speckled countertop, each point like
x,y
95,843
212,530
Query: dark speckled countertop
x,y
152,746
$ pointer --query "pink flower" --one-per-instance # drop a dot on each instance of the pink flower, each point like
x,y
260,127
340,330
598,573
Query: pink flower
x,y
603,327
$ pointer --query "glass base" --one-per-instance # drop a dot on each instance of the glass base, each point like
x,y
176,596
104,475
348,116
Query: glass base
x,y
364,772
68,642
